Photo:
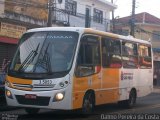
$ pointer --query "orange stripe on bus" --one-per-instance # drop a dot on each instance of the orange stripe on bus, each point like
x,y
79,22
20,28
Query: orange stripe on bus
x,y
19,80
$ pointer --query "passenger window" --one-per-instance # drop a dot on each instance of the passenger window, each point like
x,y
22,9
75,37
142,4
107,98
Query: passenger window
x,y
88,61
145,60
111,53
129,55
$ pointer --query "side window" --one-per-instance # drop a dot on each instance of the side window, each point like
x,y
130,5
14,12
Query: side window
x,y
145,60
129,55
88,60
111,53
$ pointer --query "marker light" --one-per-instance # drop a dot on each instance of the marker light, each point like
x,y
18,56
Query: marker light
x,y
61,84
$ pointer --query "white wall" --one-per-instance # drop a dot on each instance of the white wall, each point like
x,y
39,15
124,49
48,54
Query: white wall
x,y
81,9
2,8
81,5
60,6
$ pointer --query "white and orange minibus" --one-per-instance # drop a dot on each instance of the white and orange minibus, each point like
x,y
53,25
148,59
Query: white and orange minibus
x,y
69,68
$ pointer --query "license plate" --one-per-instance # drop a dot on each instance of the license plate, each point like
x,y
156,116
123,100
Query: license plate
x,y
30,96
45,82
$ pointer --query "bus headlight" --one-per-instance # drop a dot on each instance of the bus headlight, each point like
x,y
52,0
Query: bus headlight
x,y
9,94
59,96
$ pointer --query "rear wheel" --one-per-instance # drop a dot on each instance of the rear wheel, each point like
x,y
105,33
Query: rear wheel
x,y
88,103
132,99
130,102
32,110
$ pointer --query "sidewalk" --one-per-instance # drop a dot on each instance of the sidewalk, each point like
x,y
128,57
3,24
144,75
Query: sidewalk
x,y
156,89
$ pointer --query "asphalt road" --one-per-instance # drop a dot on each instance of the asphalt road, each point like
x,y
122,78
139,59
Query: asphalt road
x,y
146,108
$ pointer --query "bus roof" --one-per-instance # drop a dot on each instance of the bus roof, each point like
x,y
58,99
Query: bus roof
x,y
77,29
90,31
116,36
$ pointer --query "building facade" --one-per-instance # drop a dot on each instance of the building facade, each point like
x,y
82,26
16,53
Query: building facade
x,y
86,13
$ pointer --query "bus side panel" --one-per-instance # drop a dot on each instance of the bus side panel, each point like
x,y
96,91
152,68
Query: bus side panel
x,y
128,80
81,85
106,96
140,79
145,82
110,86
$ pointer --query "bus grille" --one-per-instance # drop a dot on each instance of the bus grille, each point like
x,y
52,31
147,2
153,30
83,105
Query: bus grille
x,y
40,101
35,87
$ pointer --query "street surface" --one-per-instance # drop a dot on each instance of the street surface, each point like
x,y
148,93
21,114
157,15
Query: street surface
x,y
146,108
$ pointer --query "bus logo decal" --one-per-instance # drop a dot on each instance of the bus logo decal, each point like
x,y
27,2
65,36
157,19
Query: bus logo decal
x,y
126,76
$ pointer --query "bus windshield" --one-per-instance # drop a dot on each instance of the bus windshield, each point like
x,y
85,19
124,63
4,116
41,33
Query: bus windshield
x,y
45,52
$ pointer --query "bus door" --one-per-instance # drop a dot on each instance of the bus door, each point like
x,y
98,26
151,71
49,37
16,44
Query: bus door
x,y
87,73
111,63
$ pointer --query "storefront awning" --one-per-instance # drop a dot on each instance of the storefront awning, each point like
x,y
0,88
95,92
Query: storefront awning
x,y
8,40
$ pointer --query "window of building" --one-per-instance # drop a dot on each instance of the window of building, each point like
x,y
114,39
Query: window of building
x,y
71,7
156,35
89,56
129,55
111,53
145,59
125,32
98,16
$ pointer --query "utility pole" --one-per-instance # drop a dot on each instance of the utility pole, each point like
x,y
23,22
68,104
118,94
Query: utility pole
x,y
113,20
133,18
87,18
49,22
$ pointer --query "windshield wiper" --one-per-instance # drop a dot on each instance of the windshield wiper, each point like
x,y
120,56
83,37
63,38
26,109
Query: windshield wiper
x,y
29,59
45,62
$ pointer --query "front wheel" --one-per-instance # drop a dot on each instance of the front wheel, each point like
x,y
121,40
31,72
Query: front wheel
x,y
32,110
88,104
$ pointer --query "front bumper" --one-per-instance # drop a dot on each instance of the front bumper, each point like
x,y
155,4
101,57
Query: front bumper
x,y
44,99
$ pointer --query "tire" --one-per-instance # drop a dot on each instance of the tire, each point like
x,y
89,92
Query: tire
x,y
130,103
32,110
88,104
